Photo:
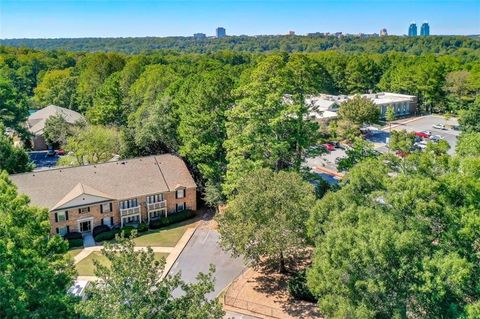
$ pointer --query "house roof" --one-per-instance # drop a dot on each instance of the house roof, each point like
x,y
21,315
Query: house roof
x,y
122,179
36,121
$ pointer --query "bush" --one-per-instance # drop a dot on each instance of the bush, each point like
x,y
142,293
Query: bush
x,y
297,287
171,219
143,227
100,229
73,235
108,235
75,243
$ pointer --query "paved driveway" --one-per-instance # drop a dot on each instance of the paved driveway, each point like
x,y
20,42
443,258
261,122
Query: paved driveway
x,y
42,161
201,251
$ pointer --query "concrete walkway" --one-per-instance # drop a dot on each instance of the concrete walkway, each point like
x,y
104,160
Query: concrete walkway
x,y
87,251
88,240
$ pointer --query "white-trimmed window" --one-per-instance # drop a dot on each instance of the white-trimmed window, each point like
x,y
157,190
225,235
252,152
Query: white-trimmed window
x,y
62,216
129,203
84,210
157,214
106,208
107,221
180,207
62,231
154,198
180,193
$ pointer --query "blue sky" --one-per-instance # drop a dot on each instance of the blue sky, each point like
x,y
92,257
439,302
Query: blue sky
x,y
125,18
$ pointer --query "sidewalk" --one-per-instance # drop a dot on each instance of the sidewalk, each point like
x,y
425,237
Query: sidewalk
x,y
87,251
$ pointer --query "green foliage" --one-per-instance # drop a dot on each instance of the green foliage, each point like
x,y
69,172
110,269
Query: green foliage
x,y
390,114
401,141
470,118
469,144
13,107
91,145
266,218
142,227
359,110
171,219
399,241
147,294
72,243
12,159
100,229
57,87
212,195
57,130
34,270
107,235
360,151
298,289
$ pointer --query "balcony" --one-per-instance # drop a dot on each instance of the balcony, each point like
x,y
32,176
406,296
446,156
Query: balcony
x,y
130,211
157,205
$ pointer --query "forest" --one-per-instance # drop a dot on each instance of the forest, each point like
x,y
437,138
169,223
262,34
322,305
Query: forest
x,y
458,45
397,238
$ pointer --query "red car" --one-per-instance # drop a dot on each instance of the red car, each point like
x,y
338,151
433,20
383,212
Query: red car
x,y
329,147
60,152
401,154
422,134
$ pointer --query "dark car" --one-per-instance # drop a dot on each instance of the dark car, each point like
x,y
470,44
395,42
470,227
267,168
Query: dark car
x,y
51,152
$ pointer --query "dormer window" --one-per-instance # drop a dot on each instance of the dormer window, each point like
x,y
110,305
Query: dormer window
x,y
180,193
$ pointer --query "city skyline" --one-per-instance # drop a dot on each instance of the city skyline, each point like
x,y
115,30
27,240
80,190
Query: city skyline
x,y
107,18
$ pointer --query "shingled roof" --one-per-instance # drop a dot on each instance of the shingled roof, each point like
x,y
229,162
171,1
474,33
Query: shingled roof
x,y
122,179
36,121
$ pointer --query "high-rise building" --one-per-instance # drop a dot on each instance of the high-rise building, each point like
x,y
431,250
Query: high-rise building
x,y
221,32
291,32
412,30
199,35
425,29
383,32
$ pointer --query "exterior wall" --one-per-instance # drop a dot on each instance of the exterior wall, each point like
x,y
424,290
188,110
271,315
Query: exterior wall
x,y
38,143
74,216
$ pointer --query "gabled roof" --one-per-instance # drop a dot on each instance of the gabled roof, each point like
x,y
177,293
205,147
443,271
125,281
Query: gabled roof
x,y
81,190
123,179
36,121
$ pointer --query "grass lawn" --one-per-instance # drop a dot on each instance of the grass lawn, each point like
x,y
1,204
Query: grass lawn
x,y
86,268
166,236
74,251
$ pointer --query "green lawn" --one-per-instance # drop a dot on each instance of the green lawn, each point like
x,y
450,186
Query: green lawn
x,y
164,237
86,268
74,251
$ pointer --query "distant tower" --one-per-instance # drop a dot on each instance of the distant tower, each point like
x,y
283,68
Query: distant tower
x,y
199,35
383,32
412,30
425,29
221,32
291,32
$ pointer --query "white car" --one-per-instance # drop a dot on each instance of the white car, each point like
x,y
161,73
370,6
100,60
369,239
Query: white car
x,y
436,138
439,127
421,145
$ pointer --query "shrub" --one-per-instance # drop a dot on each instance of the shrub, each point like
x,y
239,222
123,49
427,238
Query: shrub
x,y
143,227
108,235
100,229
73,235
127,230
171,219
297,287
75,243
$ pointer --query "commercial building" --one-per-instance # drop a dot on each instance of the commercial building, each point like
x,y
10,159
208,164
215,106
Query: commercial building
x,y
425,29
36,123
412,30
199,35
221,32
114,193
324,107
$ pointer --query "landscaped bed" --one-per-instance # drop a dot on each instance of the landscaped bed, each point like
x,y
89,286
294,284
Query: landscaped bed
x,y
86,267
164,237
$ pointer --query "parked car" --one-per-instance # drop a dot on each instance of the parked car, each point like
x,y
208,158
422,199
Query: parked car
x,y
336,144
423,134
439,126
329,147
420,145
60,152
51,152
436,138
401,154
457,127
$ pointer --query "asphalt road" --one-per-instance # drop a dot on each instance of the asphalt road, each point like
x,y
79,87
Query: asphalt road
x,y
201,251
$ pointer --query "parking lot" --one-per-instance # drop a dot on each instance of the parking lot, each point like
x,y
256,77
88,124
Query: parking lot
x,y
42,161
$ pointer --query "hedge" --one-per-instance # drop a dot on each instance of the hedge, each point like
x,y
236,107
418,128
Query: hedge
x,y
142,227
73,235
108,235
100,229
171,219
75,243
298,289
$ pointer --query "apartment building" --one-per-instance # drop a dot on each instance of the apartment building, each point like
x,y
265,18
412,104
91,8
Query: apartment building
x,y
114,193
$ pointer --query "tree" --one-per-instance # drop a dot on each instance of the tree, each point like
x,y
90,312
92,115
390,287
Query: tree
x,y
34,270
266,218
469,144
132,287
470,118
57,130
360,151
12,159
390,117
362,75
359,110
401,141
388,246
91,145
57,87
13,107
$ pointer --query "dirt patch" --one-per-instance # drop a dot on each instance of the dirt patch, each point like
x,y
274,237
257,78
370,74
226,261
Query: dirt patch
x,y
265,293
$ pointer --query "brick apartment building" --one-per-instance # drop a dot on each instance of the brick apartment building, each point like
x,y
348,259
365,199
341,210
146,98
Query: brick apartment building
x,y
114,193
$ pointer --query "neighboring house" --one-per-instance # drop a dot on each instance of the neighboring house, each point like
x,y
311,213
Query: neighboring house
x,y
114,193
324,107
36,123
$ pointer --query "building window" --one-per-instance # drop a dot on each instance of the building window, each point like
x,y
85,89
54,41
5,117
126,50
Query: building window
x,y
62,231
62,216
84,210
157,214
106,208
154,198
180,193
107,221
129,203
180,207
